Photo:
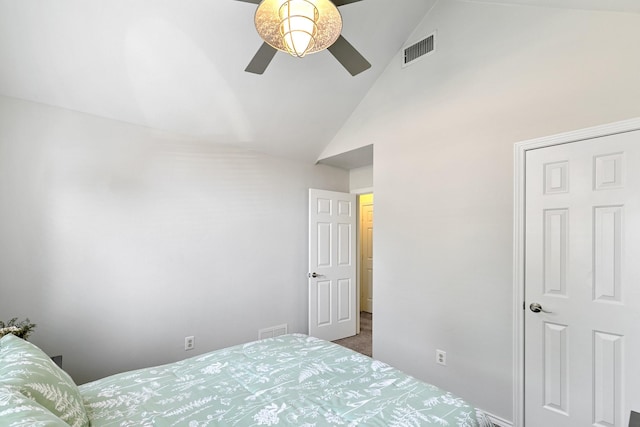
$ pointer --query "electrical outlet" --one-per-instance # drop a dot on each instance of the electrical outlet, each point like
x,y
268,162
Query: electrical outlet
x,y
441,357
189,343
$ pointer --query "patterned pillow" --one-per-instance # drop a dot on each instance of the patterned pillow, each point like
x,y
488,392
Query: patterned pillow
x,y
19,411
26,368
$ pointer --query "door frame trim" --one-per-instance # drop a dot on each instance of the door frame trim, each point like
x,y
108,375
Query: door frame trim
x,y
519,152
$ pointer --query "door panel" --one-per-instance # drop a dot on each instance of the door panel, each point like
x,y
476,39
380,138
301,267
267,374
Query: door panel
x,y
332,293
323,303
345,246
555,251
323,255
345,302
582,246
607,365
608,253
555,361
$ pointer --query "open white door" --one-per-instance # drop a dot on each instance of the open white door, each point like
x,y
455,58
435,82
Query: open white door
x,y
582,283
332,264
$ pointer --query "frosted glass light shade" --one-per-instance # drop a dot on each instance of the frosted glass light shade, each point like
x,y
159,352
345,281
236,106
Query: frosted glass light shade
x,y
288,25
298,26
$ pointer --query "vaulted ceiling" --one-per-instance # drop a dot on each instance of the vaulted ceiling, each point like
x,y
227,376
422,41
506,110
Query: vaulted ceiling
x,y
179,66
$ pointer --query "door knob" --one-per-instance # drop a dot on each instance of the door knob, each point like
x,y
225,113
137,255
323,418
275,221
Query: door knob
x,y
314,275
537,308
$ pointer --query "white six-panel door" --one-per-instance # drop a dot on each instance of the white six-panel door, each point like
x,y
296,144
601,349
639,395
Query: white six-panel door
x,y
582,266
332,264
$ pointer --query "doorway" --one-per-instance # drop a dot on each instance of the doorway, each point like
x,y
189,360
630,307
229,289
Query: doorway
x,y
359,162
362,342
365,204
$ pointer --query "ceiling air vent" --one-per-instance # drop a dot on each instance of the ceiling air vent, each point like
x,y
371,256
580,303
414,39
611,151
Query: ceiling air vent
x,y
419,50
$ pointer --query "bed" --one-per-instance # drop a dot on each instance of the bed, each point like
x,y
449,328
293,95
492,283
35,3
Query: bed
x,y
291,380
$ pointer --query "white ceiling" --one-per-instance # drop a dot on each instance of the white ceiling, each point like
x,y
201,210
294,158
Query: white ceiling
x,y
631,6
179,66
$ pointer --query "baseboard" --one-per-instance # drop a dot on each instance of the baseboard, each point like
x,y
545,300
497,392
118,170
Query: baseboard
x,y
497,421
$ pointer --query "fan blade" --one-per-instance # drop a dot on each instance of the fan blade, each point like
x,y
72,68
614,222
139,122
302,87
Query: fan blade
x,y
341,2
261,59
348,56
251,1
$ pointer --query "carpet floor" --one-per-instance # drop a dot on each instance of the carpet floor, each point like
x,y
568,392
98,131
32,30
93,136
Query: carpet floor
x,y
361,342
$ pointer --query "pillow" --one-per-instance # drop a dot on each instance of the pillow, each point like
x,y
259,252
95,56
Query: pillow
x,y
18,411
27,369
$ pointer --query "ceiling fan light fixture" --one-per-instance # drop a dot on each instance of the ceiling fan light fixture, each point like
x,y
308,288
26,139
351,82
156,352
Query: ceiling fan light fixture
x,y
299,27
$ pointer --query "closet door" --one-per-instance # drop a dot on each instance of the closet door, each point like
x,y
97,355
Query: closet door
x,y
582,283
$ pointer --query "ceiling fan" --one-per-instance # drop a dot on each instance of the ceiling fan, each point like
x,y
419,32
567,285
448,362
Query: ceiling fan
x,y
300,27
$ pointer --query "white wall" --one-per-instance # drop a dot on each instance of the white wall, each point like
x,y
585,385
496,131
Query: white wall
x,y
361,178
119,241
444,131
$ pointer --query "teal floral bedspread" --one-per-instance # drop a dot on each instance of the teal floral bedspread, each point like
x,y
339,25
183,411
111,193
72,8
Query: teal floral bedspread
x,y
291,380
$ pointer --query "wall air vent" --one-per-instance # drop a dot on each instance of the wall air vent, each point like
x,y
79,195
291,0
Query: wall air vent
x,y
273,331
418,50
